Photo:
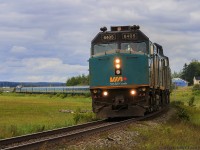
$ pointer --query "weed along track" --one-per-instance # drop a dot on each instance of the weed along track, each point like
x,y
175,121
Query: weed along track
x,y
51,138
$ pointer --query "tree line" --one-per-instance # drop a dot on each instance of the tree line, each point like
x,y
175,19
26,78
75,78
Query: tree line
x,y
188,72
78,80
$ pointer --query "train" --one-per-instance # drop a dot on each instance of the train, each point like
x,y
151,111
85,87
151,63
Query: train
x,y
60,89
129,74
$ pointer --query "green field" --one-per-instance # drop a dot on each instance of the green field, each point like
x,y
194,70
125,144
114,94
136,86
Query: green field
x,y
181,131
21,114
185,95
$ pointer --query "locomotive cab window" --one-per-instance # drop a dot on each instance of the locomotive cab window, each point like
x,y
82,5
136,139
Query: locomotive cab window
x,y
135,47
103,48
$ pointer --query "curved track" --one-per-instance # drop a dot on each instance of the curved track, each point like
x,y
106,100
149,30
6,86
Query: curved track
x,y
37,140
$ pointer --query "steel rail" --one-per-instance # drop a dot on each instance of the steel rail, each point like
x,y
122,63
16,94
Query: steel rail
x,y
28,137
55,136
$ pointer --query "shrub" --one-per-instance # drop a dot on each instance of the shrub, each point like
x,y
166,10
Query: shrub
x,y
191,102
77,117
83,117
63,95
177,103
87,95
183,114
51,95
196,89
39,128
13,130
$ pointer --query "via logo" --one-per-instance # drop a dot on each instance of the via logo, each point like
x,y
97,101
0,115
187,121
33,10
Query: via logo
x,y
117,79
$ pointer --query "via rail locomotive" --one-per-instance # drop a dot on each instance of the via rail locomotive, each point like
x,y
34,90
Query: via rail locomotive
x,y
129,75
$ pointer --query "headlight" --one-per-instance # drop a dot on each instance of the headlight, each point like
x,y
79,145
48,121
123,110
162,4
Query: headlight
x,y
143,89
133,92
94,91
117,60
105,93
117,66
118,71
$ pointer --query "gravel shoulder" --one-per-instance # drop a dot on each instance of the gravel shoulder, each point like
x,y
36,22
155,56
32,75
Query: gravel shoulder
x,y
122,138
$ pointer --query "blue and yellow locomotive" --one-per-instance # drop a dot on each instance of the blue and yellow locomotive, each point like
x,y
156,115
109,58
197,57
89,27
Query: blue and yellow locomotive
x,y
129,75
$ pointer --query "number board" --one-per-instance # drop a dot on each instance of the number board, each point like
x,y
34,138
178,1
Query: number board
x,y
108,37
129,36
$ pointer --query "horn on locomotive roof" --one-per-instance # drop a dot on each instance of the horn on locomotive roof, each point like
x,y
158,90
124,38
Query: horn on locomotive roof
x,y
135,27
103,29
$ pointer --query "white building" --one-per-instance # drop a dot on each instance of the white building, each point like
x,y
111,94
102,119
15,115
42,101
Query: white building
x,y
196,80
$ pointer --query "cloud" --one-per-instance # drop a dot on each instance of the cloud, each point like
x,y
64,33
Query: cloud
x,y
50,41
41,69
18,49
195,16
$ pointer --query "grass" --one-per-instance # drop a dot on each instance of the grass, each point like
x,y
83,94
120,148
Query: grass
x,y
183,128
168,136
186,96
23,114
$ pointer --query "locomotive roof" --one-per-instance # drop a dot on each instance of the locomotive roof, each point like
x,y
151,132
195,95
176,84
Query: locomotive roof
x,y
118,33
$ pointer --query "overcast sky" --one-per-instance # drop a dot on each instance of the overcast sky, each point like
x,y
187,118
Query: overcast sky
x,y
49,40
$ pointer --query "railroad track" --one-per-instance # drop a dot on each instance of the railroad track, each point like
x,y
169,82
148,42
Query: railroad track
x,y
43,139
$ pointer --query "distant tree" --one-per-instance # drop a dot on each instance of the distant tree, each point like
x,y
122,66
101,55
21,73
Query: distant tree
x,y
183,76
78,80
191,70
176,74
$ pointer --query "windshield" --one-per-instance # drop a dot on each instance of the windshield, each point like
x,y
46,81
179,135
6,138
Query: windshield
x,y
102,48
134,47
